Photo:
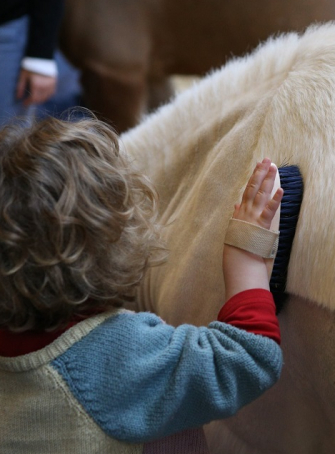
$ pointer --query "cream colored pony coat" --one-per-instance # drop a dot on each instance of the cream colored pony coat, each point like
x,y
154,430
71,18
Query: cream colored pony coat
x,y
199,151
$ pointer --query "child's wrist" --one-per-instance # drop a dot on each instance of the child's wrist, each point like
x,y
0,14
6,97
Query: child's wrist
x,y
243,270
241,258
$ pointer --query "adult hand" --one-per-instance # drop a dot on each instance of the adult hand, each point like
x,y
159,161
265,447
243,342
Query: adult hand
x,y
35,88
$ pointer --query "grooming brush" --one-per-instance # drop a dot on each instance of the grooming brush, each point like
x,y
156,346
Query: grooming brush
x,y
292,183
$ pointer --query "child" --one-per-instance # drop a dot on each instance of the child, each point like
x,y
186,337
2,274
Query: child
x,y
79,374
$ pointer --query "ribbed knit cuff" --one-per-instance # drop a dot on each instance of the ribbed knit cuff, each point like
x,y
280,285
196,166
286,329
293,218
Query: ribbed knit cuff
x,y
254,311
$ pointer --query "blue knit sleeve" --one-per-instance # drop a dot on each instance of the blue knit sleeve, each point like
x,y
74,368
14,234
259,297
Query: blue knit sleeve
x,y
141,379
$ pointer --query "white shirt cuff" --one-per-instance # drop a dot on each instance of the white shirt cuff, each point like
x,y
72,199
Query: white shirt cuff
x,y
40,66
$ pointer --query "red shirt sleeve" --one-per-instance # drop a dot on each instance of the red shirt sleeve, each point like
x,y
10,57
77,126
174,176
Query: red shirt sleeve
x,y
254,311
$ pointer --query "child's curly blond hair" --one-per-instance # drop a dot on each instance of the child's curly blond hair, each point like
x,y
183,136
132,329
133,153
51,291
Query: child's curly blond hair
x,y
77,223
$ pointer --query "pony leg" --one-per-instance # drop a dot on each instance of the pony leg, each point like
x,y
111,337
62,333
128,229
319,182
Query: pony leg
x,y
118,97
160,91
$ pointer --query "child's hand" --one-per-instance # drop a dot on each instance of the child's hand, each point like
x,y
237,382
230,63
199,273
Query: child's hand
x,y
243,270
257,206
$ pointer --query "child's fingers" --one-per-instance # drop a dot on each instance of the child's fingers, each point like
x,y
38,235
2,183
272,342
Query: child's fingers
x,y
256,180
270,210
236,210
264,192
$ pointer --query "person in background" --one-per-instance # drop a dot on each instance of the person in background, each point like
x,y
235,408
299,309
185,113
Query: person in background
x,y
28,39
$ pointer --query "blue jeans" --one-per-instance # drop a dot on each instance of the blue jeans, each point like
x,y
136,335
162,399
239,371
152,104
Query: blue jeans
x,y
13,37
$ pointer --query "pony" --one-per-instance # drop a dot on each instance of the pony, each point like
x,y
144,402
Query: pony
x,y
199,151
128,49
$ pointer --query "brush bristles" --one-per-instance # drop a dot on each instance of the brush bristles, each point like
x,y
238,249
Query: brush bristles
x,y
292,183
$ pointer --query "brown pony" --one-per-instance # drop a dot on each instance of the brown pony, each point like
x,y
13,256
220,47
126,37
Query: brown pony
x,y
127,49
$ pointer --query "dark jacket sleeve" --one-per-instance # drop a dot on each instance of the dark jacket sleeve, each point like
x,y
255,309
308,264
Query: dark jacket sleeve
x,y
45,18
